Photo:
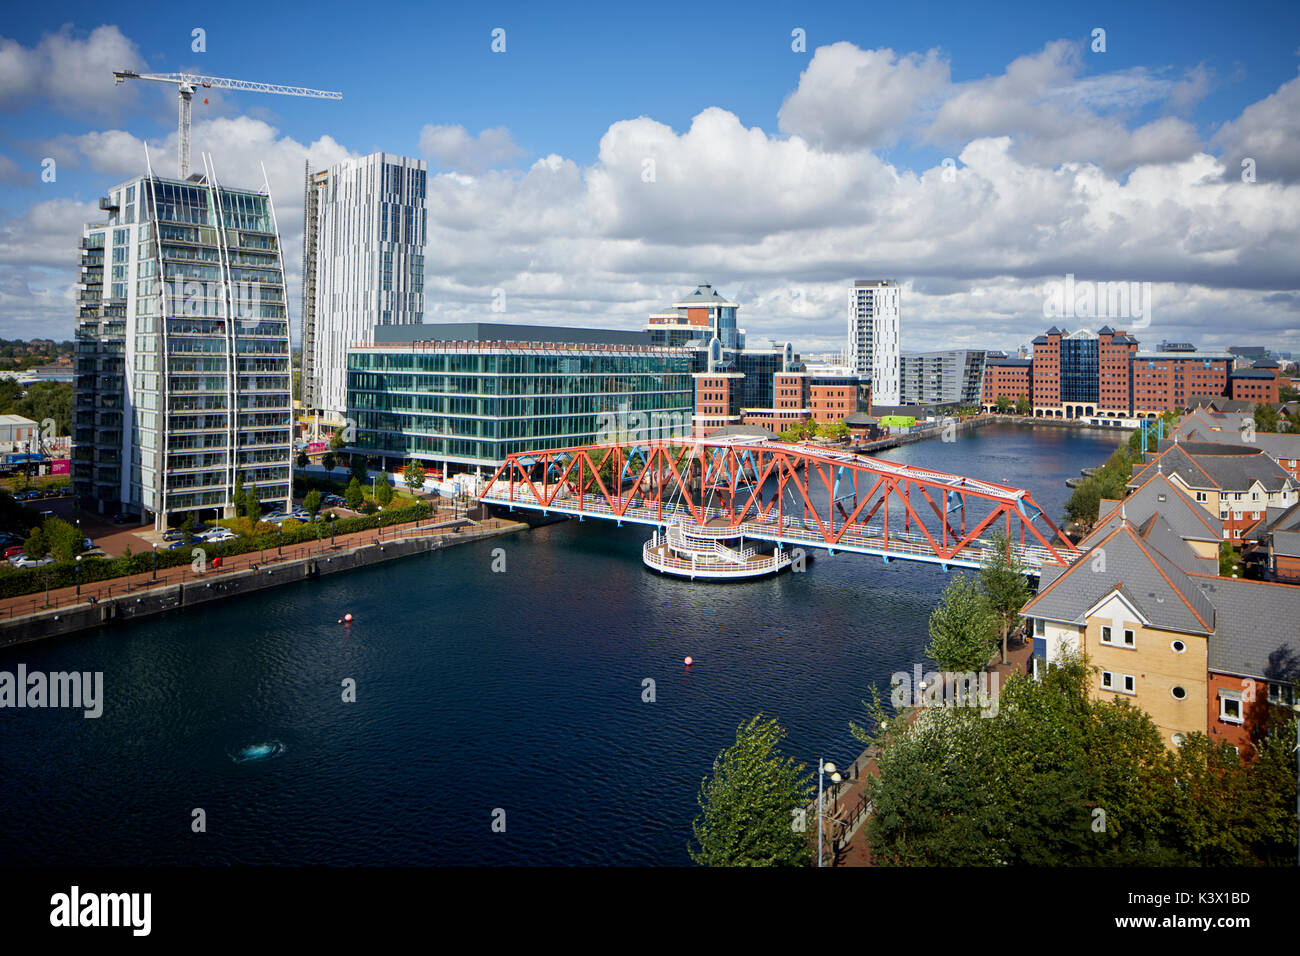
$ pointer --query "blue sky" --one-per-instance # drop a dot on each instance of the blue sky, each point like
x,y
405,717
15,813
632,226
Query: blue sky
x,y
574,241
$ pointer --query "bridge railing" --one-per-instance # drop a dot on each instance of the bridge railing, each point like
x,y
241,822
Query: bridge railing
x,y
792,528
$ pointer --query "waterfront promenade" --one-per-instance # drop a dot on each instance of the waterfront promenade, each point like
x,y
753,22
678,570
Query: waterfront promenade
x,y
442,528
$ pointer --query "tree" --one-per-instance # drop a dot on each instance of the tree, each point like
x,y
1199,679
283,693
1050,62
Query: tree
x,y
358,465
1003,404
238,496
311,501
1022,405
187,526
383,491
798,431
963,628
37,545
749,805
48,400
835,430
1265,417
1003,580
63,539
302,461
354,495
414,476
252,507
329,462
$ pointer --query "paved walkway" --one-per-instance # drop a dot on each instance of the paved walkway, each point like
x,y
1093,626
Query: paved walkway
x,y
857,852
115,587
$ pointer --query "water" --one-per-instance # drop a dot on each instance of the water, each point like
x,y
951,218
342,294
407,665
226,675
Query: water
x,y
475,691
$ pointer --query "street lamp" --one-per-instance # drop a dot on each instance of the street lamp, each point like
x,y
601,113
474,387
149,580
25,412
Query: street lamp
x,y
823,768
279,545
155,561
78,575
332,517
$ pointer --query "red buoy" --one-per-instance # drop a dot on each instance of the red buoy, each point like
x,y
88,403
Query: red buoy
x,y
689,661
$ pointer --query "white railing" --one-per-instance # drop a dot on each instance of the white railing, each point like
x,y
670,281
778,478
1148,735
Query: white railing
x,y
791,529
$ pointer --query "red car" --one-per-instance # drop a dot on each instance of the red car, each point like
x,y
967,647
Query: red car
x,y
15,551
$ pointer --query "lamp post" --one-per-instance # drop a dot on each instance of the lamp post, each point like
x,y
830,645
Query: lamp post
x,y
155,562
279,544
332,517
78,575
823,768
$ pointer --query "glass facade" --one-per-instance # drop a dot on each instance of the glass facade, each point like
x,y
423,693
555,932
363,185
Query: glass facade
x,y
1080,368
476,406
183,377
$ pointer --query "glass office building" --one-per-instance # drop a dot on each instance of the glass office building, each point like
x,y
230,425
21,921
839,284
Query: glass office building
x,y
461,397
1080,367
183,377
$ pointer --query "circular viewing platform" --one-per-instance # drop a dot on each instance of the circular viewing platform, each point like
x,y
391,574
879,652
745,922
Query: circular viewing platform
x,y
714,551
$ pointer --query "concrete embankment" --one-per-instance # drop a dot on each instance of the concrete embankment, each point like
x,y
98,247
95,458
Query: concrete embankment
x,y
216,585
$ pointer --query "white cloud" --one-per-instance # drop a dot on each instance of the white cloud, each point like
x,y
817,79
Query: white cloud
x,y
1267,132
455,149
73,73
850,98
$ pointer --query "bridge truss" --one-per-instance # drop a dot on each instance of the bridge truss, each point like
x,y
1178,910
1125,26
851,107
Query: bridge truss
x,y
790,494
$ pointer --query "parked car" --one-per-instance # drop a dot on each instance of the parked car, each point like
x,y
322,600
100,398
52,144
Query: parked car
x,y
87,544
219,534
26,562
14,551
8,538
184,544
175,534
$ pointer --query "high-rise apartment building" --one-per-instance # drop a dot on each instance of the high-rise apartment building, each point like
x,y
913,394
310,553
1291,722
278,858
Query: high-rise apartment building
x,y
183,368
364,234
873,336
948,377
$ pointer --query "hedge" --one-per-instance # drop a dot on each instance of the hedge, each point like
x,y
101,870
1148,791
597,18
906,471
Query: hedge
x,y
22,581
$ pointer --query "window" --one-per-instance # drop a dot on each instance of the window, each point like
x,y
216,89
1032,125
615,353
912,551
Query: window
x,y
1202,496
1179,740
1178,646
1129,638
1105,635
1284,694
1180,693
1120,683
1108,637
1229,708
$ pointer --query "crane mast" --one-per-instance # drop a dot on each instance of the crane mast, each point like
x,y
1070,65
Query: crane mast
x,y
187,83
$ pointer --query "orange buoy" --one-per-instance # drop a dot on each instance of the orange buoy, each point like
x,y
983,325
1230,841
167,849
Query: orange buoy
x,y
347,618
689,661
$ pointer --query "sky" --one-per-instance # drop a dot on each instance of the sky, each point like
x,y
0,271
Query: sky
x,y
610,158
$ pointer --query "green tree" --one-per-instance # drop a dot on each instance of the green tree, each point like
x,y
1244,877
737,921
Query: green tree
x,y
414,476
748,807
237,499
1003,404
835,430
37,546
354,495
963,628
311,501
63,539
1265,417
329,462
48,400
1003,579
383,491
1022,405
252,506
187,526
336,440
302,461
357,463
1227,560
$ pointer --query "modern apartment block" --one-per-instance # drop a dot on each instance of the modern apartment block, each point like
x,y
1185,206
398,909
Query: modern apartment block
x,y
461,397
183,365
874,336
949,377
364,234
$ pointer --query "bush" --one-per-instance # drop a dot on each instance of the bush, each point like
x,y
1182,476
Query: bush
x,y
64,574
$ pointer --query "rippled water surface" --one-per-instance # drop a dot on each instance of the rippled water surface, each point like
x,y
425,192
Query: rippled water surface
x,y
475,691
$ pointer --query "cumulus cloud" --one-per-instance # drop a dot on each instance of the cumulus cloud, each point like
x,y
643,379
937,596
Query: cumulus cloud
x,y
1267,132
72,72
850,98
12,174
452,148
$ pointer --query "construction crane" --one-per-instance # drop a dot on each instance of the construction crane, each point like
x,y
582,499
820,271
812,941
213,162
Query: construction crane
x,y
187,83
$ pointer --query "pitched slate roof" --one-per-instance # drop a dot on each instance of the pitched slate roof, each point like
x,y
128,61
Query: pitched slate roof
x,y
1221,466
1257,625
1161,591
1287,543
1160,495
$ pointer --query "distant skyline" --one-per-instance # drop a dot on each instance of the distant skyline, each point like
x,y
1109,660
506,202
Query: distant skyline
x,y
607,162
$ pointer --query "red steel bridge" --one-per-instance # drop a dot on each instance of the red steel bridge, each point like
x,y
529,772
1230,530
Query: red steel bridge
x,y
785,493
